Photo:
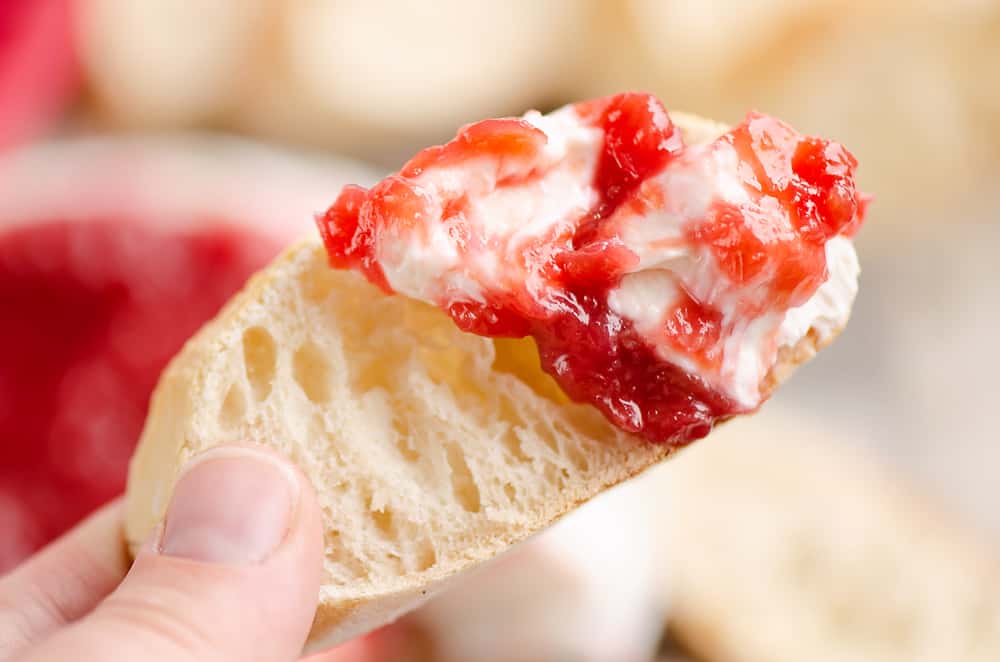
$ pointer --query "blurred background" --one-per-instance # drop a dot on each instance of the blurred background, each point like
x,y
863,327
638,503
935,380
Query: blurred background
x,y
909,392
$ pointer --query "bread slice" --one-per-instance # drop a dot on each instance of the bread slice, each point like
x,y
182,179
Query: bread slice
x,y
834,561
573,592
432,450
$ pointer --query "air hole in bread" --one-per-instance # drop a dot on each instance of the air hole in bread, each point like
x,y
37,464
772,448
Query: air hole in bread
x,y
443,365
401,427
405,447
383,522
425,555
378,359
510,492
344,567
512,442
395,561
412,549
577,457
426,322
259,360
511,438
234,406
549,440
552,474
462,483
311,372
519,357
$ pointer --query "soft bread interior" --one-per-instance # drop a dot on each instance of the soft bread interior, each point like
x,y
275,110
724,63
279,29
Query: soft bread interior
x,y
432,450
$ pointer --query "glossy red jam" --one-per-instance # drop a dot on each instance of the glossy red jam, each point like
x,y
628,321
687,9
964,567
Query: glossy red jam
x,y
639,141
810,177
91,314
800,193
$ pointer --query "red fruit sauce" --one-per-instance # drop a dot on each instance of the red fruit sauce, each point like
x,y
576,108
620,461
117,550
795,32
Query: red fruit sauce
x,y
92,312
39,72
596,356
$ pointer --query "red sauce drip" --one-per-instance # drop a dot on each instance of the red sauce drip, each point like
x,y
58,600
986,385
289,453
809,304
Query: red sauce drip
x,y
92,312
596,356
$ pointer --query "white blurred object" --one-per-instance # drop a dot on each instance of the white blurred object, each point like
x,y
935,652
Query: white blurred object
x,y
413,66
788,545
346,73
906,86
587,590
701,39
210,177
168,63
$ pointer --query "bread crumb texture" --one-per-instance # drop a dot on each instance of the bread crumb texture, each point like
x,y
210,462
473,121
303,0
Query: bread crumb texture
x,y
430,449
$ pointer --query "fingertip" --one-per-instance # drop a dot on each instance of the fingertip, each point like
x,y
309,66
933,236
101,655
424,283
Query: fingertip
x,y
239,552
231,505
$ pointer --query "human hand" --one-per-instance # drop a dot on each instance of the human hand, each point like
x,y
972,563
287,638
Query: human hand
x,y
232,574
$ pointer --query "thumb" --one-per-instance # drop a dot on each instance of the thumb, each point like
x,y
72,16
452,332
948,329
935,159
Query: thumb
x,y
233,573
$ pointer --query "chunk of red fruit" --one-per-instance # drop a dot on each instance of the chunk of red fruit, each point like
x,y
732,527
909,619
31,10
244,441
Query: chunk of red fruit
x,y
599,358
639,141
695,329
499,138
349,235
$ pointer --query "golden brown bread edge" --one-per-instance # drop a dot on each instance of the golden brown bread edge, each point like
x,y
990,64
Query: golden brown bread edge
x,y
171,437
